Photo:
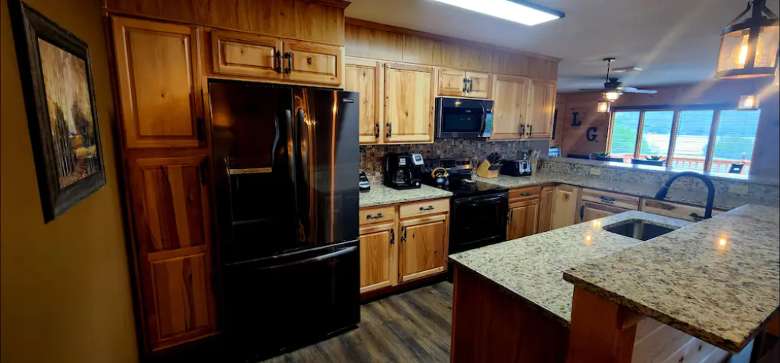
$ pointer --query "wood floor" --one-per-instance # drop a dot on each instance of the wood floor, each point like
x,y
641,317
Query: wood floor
x,y
409,327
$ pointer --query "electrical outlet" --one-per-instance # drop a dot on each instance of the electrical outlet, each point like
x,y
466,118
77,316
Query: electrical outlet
x,y
740,188
595,171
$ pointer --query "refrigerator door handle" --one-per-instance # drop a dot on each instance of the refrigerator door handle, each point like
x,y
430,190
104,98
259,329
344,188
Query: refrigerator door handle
x,y
319,258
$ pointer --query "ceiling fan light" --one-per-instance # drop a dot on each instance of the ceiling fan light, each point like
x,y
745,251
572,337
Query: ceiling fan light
x,y
519,12
749,48
612,96
747,102
602,106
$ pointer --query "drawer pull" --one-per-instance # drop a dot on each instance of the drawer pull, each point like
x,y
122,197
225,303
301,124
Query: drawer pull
x,y
430,207
375,216
607,200
525,194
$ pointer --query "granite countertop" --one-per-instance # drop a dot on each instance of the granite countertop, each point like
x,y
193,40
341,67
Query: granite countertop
x,y
532,267
716,280
381,195
519,181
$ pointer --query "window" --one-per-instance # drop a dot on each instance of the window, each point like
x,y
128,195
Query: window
x,y
680,138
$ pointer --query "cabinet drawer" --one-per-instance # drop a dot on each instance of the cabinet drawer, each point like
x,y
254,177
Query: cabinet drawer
x,y
376,215
425,207
314,63
518,194
674,210
613,199
245,55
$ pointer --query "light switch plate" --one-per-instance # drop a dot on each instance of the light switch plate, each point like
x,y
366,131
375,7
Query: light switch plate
x,y
595,171
738,188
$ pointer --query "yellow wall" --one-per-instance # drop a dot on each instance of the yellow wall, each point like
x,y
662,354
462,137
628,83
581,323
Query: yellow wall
x,y
65,285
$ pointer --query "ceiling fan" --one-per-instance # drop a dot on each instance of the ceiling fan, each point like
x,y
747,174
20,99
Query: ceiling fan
x,y
613,88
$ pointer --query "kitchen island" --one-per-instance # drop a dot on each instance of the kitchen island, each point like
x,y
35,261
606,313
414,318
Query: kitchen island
x,y
511,303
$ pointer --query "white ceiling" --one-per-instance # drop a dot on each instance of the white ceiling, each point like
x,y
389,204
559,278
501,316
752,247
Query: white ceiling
x,y
675,41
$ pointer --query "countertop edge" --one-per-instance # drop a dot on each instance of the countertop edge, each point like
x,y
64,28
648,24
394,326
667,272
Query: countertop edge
x,y
639,308
534,305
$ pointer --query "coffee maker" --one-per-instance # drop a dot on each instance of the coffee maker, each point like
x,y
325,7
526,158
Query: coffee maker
x,y
403,170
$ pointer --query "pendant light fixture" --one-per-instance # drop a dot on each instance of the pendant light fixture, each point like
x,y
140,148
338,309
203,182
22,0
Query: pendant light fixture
x,y
749,44
602,106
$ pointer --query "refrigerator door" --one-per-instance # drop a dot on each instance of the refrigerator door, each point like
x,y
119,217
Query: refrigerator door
x,y
327,160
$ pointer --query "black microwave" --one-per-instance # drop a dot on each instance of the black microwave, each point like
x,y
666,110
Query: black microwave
x,y
463,118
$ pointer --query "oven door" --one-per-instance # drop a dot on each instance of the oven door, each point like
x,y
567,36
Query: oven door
x,y
462,117
478,221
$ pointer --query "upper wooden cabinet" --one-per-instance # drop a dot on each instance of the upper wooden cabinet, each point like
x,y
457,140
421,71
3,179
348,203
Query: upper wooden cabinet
x,y
243,54
159,83
365,77
541,109
172,224
275,59
510,108
453,82
408,107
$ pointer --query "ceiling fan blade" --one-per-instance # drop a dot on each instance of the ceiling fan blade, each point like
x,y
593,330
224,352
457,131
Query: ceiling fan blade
x,y
637,90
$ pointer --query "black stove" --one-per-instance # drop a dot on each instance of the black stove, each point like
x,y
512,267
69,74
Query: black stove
x,y
468,187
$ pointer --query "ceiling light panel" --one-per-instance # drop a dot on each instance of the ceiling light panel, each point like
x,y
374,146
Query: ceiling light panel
x,y
518,12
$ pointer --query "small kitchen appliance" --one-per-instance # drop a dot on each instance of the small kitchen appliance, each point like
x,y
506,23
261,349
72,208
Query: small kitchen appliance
x,y
463,118
363,184
403,170
518,167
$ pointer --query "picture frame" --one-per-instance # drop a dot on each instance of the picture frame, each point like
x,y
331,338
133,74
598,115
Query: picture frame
x,y
59,96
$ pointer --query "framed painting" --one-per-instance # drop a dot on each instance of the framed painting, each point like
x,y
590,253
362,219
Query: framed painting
x,y
59,97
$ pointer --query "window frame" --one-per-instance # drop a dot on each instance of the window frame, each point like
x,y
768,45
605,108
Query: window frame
x,y
677,109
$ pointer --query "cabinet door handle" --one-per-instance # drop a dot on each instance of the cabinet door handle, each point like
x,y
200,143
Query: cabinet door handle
x,y
582,212
465,85
471,85
288,57
522,129
530,129
389,131
277,61
430,207
403,234
376,130
392,236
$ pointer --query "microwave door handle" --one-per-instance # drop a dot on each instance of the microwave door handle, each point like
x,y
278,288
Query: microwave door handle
x,y
484,120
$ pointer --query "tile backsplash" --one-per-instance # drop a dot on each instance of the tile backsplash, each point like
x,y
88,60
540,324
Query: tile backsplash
x,y
372,156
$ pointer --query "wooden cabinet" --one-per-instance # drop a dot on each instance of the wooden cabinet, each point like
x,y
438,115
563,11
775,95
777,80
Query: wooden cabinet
x,y
523,219
408,107
378,251
365,77
453,82
158,82
541,109
242,54
598,204
509,110
423,250
545,209
402,243
275,59
564,206
173,241
674,210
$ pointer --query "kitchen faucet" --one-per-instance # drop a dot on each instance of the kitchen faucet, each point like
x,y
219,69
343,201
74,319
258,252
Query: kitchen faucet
x,y
710,189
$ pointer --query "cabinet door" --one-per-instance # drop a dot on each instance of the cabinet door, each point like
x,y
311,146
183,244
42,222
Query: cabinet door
x,y
171,218
313,63
364,77
541,107
479,85
378,257
452,82
423,249
243,54
523,218
564,208
545,209
159,84
409,101
509,110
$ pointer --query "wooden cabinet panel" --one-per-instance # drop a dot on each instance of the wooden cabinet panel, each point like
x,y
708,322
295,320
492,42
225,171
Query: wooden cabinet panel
x,y
313,63
467,56
614,199
423,249
365,77
545,209
182,298
376,215
452,82
541,109
520,194
674,210
479,85
159,83
523,219
377,257
246,55
590,211
409,100
564,208
424,208
373,43
421,50
509,110
507,62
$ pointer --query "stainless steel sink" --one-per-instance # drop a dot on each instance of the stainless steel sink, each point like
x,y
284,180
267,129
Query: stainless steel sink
x,y
638,228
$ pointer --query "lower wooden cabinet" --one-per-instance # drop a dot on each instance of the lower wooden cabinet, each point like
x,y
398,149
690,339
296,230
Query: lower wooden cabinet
x,y
523,219
378,251
564,206
545,209
423,250
402,243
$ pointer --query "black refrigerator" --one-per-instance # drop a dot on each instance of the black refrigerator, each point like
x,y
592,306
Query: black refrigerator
x,y
286,166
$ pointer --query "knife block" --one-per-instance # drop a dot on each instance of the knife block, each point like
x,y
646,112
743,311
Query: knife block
x,y
484,170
